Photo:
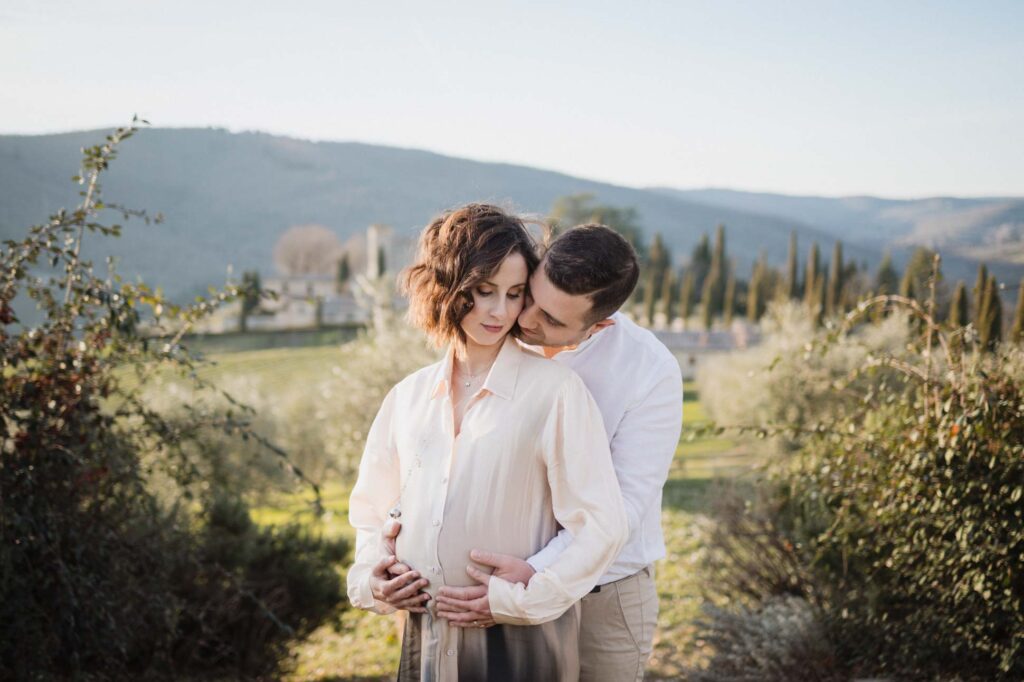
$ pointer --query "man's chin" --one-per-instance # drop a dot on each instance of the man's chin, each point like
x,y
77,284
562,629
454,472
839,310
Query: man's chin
x,y
530,339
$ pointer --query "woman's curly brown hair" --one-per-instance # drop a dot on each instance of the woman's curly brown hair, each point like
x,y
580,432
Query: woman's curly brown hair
x,y
457,251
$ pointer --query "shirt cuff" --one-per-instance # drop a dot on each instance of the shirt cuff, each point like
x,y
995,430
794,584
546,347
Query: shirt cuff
x,y
501,596
365,594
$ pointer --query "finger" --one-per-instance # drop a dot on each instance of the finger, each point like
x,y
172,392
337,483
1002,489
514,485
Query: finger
x,y
461,592
398,583
381,568
412,603
487,558
478,575
399,568
408,591
391,529
455,605
466,617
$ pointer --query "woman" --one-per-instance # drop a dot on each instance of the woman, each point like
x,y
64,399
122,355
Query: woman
x,y
491,448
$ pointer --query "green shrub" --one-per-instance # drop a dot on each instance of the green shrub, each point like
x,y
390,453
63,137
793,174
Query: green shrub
x,y
900,517
100,577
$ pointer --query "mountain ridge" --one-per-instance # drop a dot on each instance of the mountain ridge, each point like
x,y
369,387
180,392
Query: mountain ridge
x,y
227,196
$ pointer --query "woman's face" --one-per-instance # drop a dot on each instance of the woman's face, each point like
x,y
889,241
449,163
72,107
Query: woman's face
x,y
497,303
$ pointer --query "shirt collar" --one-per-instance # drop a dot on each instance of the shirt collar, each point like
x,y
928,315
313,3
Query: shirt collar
x,y
501,380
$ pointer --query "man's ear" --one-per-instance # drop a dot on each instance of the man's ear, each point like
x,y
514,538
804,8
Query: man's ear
x,y
598,326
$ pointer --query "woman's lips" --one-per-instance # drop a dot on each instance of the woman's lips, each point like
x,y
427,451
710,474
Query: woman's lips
x,y
494,329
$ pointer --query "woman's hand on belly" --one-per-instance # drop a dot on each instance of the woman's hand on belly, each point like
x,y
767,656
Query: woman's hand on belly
x,y
465,607
400,592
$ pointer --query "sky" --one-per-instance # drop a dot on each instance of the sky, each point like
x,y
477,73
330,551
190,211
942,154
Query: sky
x,y
897,99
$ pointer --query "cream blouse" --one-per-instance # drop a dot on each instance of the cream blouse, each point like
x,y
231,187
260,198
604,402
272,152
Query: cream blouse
x,y
531,456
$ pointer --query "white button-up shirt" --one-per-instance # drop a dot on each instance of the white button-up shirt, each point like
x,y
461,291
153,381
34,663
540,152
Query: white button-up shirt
x,y
531,455
637,384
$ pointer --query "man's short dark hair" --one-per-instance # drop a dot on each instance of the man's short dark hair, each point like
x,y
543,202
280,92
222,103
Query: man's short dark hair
x,y
594,260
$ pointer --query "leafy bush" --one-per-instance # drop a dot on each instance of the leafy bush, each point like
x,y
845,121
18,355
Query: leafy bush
x,y
902,511
782,382
286,585
98,576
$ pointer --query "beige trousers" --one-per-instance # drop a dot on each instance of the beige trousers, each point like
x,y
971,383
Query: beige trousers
x,y
617,629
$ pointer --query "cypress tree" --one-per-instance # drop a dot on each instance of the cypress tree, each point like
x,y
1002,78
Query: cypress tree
x,y
658,258
888,279
818,300
835,281
755,300
811,275
718,256
792,285
907,284
980,285
382,263
958,306
730,298
1017,333
667,304
700,262
991,329
706,303
686,297
650,297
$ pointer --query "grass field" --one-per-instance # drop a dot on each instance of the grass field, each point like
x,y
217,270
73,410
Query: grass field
x,y
364,646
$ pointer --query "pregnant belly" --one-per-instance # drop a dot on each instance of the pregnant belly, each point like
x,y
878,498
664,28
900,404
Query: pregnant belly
x,y
441,553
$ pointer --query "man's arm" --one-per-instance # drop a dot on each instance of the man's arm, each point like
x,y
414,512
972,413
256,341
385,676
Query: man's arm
x,y
642,448
585,499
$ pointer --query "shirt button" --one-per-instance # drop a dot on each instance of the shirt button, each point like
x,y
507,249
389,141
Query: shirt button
x,y
444,480
435,569
451,652
437,523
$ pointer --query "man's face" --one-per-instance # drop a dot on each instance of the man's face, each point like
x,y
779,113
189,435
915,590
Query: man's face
x,y
552,317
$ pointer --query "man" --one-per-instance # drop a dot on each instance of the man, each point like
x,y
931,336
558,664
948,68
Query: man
x,y
585,276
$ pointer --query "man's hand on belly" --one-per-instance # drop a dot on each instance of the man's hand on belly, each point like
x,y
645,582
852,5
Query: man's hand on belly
x,y
402,592
506,566
469,606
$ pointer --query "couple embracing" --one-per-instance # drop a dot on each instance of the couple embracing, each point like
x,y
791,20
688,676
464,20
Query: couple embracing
x,y
509,496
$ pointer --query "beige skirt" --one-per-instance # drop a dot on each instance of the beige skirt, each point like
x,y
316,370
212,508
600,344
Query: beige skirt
x,y
500,653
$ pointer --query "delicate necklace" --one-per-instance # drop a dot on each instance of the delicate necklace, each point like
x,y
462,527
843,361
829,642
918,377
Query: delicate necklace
x,y
466,373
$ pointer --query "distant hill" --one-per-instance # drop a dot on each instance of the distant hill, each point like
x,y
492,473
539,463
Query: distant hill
x,y
228,196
